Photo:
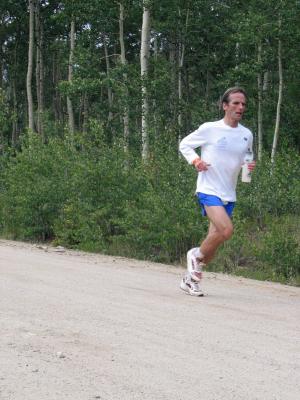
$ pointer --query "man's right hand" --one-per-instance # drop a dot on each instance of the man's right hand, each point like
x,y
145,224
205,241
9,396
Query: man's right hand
x,y
200,165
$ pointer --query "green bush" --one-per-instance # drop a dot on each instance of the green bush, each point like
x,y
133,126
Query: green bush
x,y
275,189
87,195
271,253
278,249
34,188
100,187
163,220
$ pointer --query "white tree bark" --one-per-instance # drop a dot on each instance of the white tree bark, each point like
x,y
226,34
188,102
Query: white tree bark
x,y
109,90
30,66
280,88
15,108
259,106
70,77
145,52
180,67
39,70
124,62
266,81
155,54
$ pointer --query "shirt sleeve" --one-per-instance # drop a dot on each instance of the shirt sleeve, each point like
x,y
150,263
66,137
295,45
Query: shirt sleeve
x,y
192,141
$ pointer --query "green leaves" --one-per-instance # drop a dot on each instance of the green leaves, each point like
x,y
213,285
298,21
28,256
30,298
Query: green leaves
x,y
80,85
84,194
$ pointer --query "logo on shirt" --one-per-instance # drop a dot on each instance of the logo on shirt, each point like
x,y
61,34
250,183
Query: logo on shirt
x,y
222,143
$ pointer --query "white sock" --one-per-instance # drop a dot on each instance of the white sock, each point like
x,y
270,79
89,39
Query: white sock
x,y
197,253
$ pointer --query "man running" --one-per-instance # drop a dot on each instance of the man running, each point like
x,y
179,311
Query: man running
x,y
224,145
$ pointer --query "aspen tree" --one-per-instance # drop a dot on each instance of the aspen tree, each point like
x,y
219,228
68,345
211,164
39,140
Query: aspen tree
x,y
70,76
280,89
30,66
125,78
144,56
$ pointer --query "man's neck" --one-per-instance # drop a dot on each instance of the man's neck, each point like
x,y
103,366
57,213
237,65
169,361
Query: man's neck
x,y
230,122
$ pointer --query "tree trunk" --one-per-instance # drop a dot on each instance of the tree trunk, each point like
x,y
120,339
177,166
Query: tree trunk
x,y
109,90
189,118
173,79
280,88
85,112
155,119
207,88
259,106
41,84
266,81
55,92
14,135
57,98
15,132
1,65
145,51
30,66
70,77
180,65
125,78
180,68
237,56
39,70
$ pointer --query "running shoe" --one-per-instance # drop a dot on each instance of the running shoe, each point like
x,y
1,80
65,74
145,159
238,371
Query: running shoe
x,y
190,286
194,266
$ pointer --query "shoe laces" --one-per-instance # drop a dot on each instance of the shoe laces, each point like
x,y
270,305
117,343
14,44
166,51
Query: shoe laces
x,y
195,285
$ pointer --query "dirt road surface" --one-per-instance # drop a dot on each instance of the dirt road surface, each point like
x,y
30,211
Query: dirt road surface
x,y
82,327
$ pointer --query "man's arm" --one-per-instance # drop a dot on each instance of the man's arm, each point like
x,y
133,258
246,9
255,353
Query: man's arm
x,y
188,145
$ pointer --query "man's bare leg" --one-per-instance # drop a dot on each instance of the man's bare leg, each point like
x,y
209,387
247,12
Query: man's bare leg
x,y
220,230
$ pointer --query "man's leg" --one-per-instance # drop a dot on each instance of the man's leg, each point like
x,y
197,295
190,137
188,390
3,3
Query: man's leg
x,y
220,230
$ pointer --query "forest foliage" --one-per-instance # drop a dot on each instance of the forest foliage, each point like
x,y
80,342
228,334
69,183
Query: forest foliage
x,y
92,163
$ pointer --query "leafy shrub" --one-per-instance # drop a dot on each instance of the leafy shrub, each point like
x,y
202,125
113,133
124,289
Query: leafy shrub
x,y
278,249
81,193
275,189
34,187
163,220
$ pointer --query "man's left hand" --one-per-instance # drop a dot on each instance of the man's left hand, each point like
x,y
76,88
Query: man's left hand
x,y
251,165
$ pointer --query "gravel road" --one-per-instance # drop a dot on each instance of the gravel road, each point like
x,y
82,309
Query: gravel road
x,y
82,326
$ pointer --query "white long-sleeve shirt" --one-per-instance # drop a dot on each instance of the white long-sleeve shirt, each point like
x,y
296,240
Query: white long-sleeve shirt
x,y
224,148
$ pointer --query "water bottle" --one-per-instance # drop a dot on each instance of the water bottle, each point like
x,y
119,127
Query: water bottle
x,y
246,173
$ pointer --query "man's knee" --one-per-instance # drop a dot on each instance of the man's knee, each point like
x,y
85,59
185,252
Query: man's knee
x,y
225,233
221,223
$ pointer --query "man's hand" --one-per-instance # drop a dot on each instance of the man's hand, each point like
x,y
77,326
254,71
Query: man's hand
x,y
200,165
251,165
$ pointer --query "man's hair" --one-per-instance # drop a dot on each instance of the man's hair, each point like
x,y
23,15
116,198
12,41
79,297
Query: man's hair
x,y
235,89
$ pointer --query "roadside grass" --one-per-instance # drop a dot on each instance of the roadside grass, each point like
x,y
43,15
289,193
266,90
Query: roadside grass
x,y
270,251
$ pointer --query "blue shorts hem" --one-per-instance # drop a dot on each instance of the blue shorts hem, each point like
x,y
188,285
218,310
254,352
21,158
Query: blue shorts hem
x,y
211,200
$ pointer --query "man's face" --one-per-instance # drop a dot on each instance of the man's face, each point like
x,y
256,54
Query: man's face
x,y
235,107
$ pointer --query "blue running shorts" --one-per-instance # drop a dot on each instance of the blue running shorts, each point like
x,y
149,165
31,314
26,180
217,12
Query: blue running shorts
x,y
211,200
